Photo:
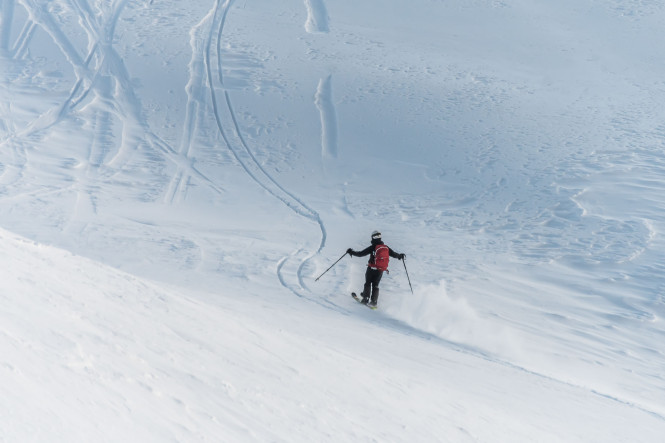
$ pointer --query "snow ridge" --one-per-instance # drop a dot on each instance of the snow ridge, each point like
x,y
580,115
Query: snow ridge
x,y
317,17
324,102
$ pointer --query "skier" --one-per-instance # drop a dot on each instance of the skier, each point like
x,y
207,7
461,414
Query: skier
x,y
378,262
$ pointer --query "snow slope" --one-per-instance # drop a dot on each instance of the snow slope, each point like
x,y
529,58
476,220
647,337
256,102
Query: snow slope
x,y
91,353
210,159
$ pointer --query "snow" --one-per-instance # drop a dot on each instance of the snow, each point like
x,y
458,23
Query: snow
x,y
175,176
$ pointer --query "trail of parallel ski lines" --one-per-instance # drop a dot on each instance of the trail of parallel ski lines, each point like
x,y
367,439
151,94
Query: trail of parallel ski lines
x,y
99,72
23,40
11,172
134,125
6,18
244,155
195,86
107,79
38,16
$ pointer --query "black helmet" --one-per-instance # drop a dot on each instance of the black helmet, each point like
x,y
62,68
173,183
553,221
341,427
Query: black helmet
x,y
376,235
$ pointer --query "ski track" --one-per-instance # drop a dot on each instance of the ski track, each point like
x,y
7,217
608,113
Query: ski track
x,y
101,137
110,85
178,186
101,79
42,18
11,172
243,154
6,24
84,75
39,16
23,40
324,103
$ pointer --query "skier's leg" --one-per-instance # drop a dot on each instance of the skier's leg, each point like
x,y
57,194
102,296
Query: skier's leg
x,y
366,294
375,279
375,295
368,286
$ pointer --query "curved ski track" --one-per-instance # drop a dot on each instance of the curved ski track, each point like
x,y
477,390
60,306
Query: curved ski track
x,y
248,161
101,71
287,270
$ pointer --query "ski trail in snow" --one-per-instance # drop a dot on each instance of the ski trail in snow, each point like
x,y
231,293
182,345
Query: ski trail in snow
x,y
10,172
21,44
112,92
40,14
100,44
41,17
185,165
195,86
87,20
6,17
101,80
232,134
317,17
324,102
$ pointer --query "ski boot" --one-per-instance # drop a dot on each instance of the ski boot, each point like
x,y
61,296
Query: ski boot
x,y
375,298
365,294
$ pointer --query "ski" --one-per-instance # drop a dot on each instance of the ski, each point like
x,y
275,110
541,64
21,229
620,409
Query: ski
x,y
359,300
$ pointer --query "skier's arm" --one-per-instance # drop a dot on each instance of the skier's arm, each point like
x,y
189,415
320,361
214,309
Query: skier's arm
x,y
394,254
362,253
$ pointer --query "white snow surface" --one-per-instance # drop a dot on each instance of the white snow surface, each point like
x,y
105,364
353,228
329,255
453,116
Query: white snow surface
x,y
175,175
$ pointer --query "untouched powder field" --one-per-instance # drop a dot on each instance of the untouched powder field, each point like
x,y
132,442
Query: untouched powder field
x,y
174,176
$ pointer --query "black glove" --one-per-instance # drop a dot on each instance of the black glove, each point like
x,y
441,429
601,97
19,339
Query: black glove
x,y
402,256
349,251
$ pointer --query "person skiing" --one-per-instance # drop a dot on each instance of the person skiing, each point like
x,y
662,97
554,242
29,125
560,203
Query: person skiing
x,y
378,262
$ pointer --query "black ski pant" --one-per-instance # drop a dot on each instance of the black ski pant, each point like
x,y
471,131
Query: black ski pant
x,y
372,279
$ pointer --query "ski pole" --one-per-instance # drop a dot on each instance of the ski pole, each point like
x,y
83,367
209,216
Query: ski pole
x,y
407,274
317,278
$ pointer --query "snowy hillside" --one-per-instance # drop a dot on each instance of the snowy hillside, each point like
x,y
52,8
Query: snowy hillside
x,y
175,175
